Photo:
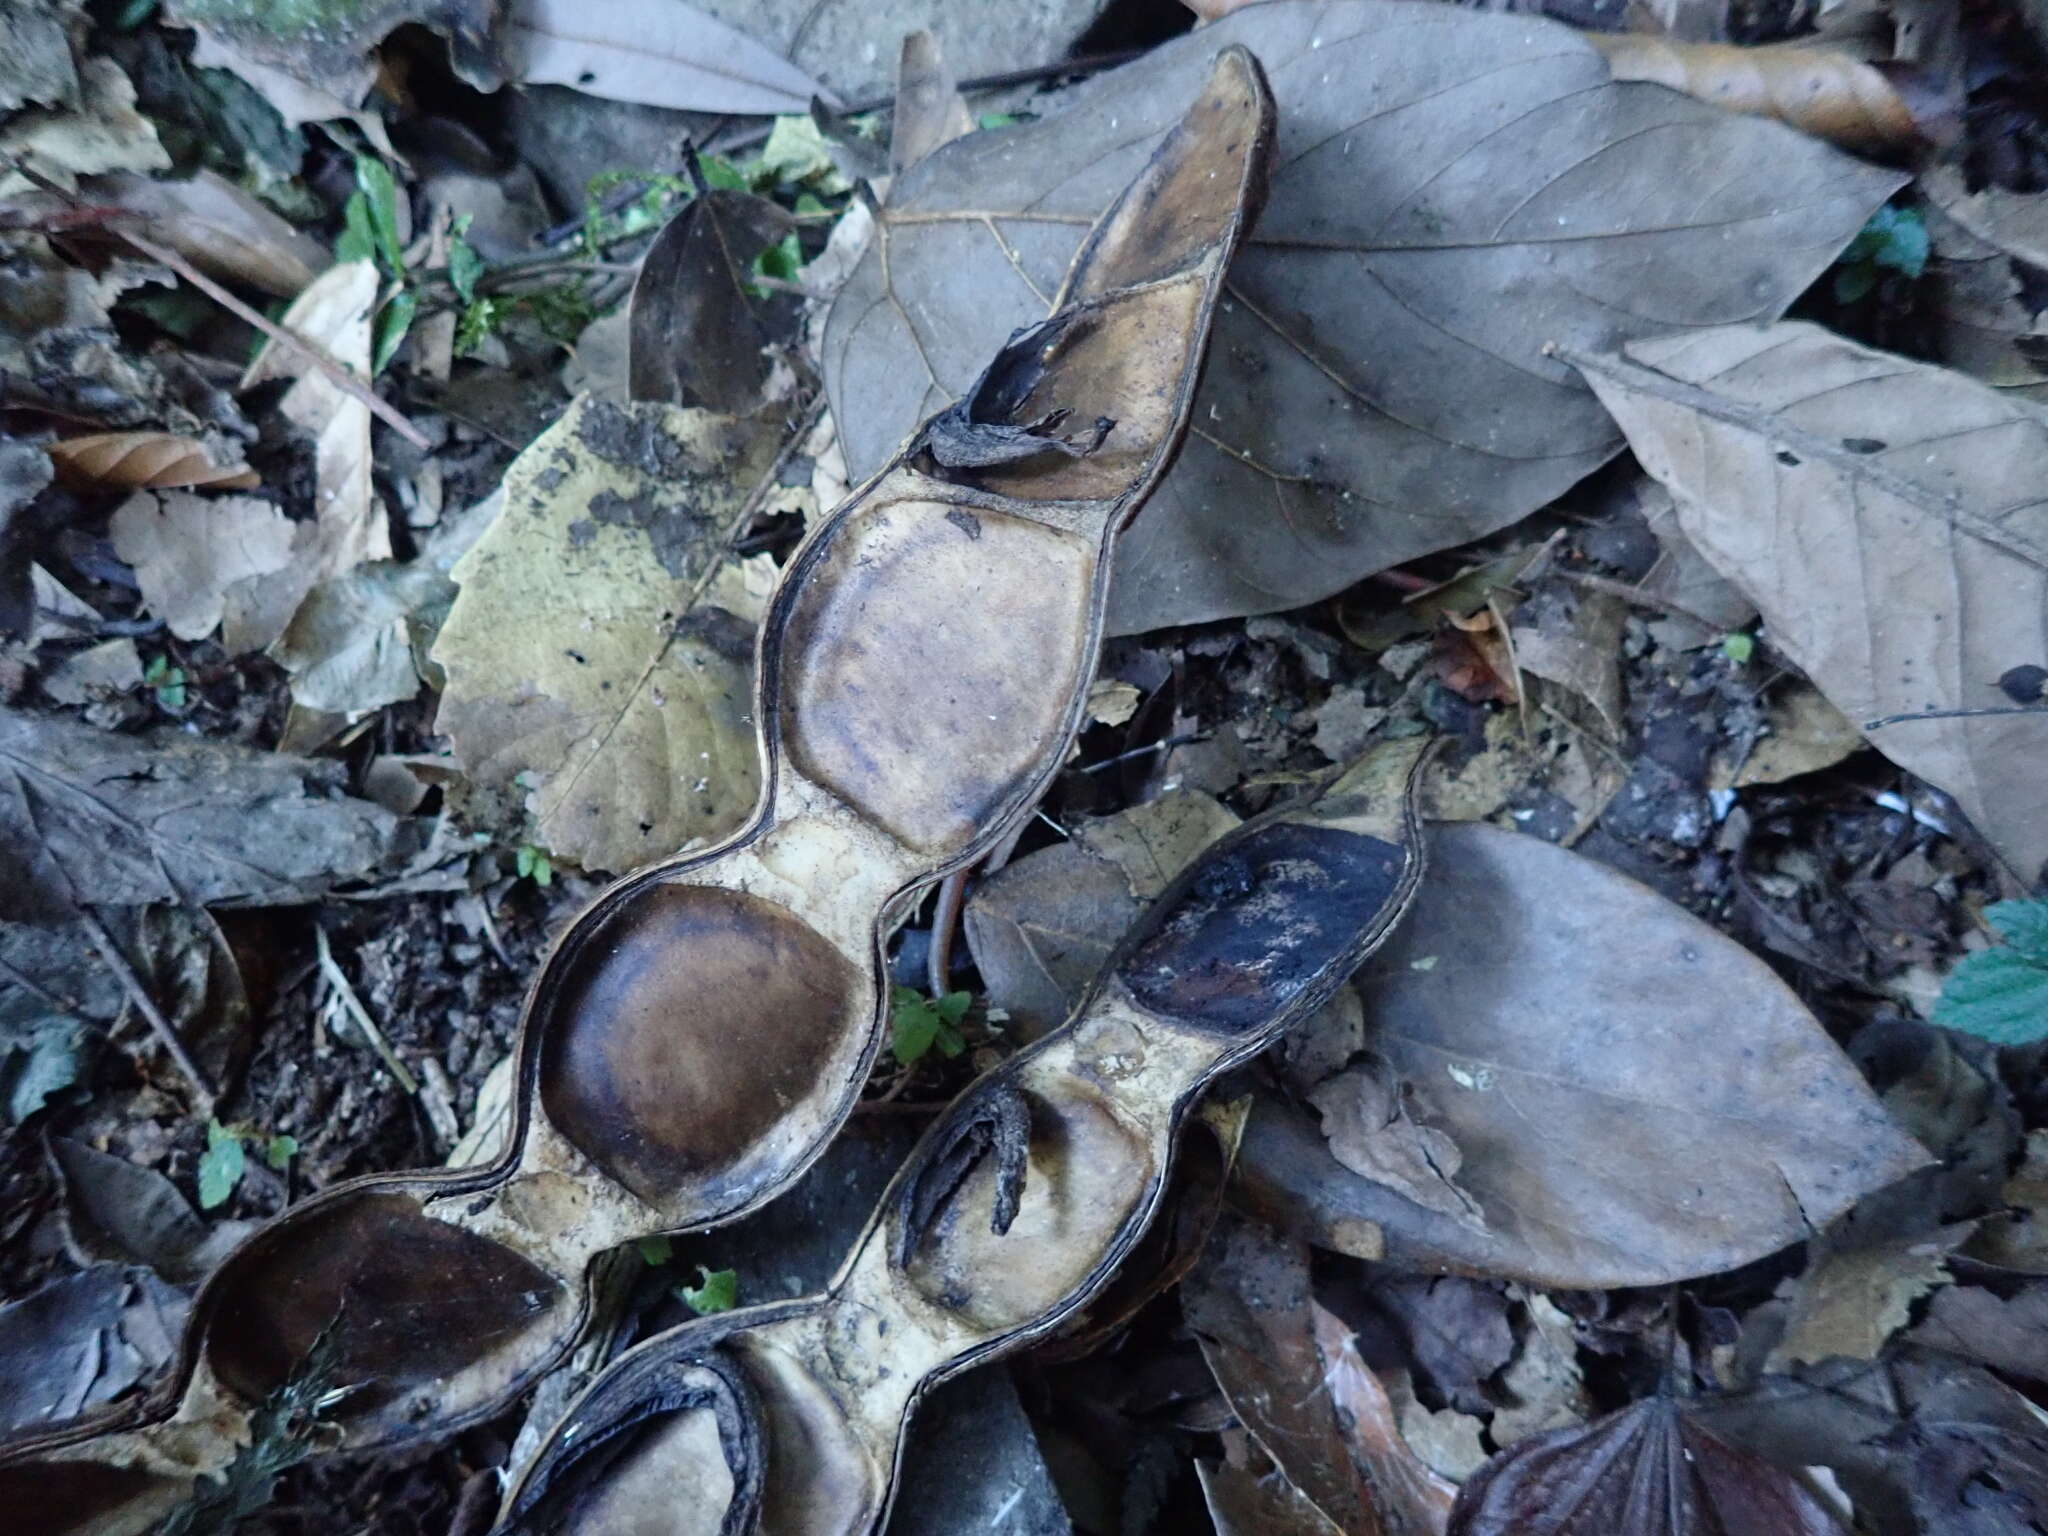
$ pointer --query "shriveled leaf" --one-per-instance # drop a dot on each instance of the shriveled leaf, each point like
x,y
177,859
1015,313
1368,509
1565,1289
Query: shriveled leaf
x,y
1647,1470
658,53
1889,520
100,132
189,550
1453,193
1248,1303
2009,1334
1990,316
587,654
219,228
88,817
1827,93
693,335
137,460
82,1340
2013,222
1851,1300
1637,1097
352,645
1368,1119
1544,1383
349,526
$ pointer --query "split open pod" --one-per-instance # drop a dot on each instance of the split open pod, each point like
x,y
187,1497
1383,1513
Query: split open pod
x,y
702,1030
1009,1216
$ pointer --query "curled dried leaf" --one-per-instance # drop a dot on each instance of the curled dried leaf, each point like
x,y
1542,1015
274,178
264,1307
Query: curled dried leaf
x,y
133,461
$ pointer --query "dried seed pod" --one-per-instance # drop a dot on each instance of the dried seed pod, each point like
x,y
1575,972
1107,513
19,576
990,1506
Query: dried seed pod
x,y
703,1029
1014,1210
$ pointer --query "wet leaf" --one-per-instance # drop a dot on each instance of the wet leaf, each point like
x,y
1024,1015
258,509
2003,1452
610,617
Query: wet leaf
x,y
1452,194
1888,519
189,551
1630,1111
135,460
658,53
90,817
1647,1470
693,335
593,655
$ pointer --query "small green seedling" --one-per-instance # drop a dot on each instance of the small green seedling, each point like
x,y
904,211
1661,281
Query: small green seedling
x,y
533,864
226,1159
167,682
918,1024
369,232
655,1251
2000,994
715,1291
1738,646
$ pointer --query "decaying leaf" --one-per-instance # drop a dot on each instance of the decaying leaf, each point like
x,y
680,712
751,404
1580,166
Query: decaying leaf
x,y
1242,1503
188,551
2013,222
1889,520
1413,1499
589,657
1648,1470
659,53
93,818
1368,1122
145,460
1806,734
1990,310
355,642
348,525
1544,1382
101,132
1825,92
693,335
1452,194
1248,1303
83,1339
1630,1110
1851,1299
219,228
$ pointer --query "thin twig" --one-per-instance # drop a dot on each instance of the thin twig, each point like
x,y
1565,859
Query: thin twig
x,y
361,1015
1954,714
318,356
945,923
146,1006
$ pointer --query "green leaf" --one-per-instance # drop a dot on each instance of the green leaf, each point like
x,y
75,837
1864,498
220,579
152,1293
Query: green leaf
x,y
781,260
168,683
1903,244
358,240
522,861
913,1024
717,1291
478,321
2001,994
953,1006
655,1251
721,172
393,321
220,1166
465,268
1738,647
380,193
533,864
278,1151
989,121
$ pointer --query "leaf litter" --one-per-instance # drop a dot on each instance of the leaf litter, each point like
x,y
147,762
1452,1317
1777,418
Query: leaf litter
x,y
1400,439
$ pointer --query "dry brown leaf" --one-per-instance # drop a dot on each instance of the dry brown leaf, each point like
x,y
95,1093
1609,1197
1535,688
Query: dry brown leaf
x,y
1888,518
131,461
1413,1499
220,229
1570,636
1990,309
1242,1503
1544,1381
1807,734
664,54
1822,91
599,654
101,132
189,550
1631,1110
2013,222
930,111
1452,193
1367,1122
1851,1300
348,526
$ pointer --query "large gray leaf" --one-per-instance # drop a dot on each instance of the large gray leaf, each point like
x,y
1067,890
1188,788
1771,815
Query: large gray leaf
x,y
1452,193
88,817
1891,521
1637,1097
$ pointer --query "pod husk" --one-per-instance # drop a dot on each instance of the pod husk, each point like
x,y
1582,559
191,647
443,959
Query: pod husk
x,y
1012,1213
701,1031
